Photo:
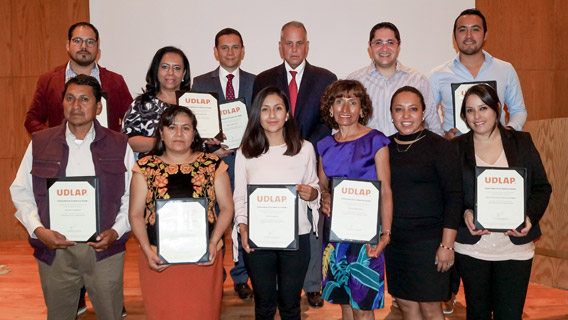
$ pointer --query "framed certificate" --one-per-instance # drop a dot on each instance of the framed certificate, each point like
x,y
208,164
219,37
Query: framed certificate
x,y
103,116
458,93
205,107
73,204
182,230
272,217
355,210
234,119
500,195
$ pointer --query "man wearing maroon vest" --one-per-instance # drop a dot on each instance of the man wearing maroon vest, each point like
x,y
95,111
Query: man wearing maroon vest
x,y
83,47
78,147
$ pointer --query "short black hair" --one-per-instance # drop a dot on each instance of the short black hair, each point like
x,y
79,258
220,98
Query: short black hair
x,y
226,32
84,80
384,25
474,12
82,24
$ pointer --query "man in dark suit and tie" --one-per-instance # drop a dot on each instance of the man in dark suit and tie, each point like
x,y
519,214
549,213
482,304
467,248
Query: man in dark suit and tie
x,y
229,82
304,84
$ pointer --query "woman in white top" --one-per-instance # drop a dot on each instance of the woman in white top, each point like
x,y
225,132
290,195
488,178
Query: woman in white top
x,y
272,152
495,266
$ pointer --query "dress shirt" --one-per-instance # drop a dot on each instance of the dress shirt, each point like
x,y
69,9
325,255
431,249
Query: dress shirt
x,y
508,88
274,167
300,72
223,78
79,164
69,73
381,89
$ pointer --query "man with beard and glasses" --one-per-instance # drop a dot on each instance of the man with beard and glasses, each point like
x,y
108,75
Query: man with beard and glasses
x,y
473,64
83,47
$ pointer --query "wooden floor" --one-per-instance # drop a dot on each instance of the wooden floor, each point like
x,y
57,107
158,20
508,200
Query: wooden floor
x,y
21,296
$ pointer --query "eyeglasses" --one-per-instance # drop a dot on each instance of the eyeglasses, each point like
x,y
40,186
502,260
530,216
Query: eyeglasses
x,y
381,43
88,42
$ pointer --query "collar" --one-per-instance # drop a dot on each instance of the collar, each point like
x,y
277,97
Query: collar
x,y
89,136
488,58
299,69
223,73
399,67
69,73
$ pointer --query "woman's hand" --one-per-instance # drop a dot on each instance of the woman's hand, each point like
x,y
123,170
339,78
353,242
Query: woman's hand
x,y
326,203
243,230
444,259
154,262
468,217
307,193
524,231
375,251
212,254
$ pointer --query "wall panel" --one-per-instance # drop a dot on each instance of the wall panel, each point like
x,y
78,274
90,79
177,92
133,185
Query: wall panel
x,y
550,266
32,41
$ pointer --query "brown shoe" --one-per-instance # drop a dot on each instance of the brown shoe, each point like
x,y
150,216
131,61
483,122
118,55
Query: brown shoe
x,y
314,299
244,291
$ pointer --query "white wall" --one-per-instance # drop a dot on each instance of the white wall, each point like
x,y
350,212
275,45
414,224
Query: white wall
x,y
133,30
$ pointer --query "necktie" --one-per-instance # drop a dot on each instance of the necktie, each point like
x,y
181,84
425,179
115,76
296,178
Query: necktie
x,y
230,92
293,88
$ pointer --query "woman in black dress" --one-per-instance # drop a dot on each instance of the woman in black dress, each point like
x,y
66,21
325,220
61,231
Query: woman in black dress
x,y
427,197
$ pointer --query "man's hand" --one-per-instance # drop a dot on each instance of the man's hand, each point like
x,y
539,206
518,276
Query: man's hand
x,y
223,151
450,134
52,239
104,240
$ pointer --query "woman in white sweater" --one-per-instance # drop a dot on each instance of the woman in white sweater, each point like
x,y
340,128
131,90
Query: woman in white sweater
x,y
272,152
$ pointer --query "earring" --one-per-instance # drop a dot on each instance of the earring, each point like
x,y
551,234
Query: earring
x,y
392,120
331,113
422,118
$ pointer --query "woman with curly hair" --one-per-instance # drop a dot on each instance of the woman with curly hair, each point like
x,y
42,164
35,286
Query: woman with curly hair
x,y
177,167
353,274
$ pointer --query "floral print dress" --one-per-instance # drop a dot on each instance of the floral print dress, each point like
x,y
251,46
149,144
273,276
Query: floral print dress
x,y
188,180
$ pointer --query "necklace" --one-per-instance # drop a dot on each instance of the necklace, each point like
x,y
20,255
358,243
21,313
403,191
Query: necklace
x,y
418,138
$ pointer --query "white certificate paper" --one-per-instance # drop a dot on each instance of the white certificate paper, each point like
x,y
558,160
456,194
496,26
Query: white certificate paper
x,y
500,196
182,231
73,208
103,116
205,107
273,217
459,90
234,119
355,211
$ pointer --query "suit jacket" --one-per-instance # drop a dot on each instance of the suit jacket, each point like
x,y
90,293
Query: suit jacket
x,y
210,82
307,114
521,152
46,109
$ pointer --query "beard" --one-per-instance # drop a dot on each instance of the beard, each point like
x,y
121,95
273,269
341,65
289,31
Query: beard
x,y
470,49
83,58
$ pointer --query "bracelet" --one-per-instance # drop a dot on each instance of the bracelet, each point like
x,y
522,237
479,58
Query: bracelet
x,y
388,232
447,248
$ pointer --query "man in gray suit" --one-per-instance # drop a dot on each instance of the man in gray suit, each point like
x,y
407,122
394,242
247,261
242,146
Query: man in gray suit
x,y
229,82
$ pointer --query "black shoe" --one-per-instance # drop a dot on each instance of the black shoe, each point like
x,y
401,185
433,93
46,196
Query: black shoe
x,y
314,299
124,314
244,291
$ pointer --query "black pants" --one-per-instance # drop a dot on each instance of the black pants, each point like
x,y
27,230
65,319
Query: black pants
x,y
277,277
498,287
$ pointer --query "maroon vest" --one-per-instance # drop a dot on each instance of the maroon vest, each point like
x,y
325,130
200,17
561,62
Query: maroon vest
x,y
50,154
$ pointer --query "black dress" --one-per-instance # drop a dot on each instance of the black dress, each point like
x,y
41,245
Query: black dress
x,y
427,197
